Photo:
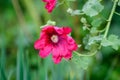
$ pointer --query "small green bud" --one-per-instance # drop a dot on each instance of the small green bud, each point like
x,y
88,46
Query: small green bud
x,y
83,20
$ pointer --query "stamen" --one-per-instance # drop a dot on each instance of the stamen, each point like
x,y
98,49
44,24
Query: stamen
x,y
54,38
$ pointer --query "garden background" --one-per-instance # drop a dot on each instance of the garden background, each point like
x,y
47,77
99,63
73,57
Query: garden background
x,y
20,22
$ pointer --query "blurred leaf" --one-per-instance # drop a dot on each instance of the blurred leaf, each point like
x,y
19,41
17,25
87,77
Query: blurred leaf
x,y
119,3
112,41
3,61
81,61
2,65
94,30
20,65
10,74
95,39
92,7
3,76
20,56
96,22
26,67
92,42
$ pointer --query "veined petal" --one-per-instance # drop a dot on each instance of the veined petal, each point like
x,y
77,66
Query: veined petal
x,y
55,51
47,28
59,30
57,59
67,30
50,5
59,50
71,43
44,52
68,55
39,44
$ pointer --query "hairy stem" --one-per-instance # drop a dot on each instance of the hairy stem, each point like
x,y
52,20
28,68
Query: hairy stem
x,y
93,53
117,13
110,18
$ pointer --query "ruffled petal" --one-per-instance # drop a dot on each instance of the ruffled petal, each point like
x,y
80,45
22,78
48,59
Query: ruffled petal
x,y
71,43
39,44
44,52
67,30
68,55
60,49
55,51
57,59
59,30
50,5
47,28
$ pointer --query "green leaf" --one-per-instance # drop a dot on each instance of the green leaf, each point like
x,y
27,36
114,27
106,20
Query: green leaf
x,y
19,73
92,42
96,22
94,30
81,61
112,41
92,7
3,60
95,39
26,67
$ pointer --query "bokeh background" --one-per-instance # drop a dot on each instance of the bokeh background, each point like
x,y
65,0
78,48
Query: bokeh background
x,y
20,22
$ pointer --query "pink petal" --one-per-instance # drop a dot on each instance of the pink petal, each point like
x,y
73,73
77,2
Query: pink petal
x,y
59,30
57,59
50,5
42,41
55,51
68,55
60,49
44,52
39,44
67,30
71,43
46,28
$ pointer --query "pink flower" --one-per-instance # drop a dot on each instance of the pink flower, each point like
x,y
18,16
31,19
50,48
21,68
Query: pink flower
x,y
50,5
56,41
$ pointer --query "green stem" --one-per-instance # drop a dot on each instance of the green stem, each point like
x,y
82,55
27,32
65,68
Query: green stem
x,y
86,54
117,13
110,18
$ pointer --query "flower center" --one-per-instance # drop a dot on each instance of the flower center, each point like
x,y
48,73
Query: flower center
x,y
54,38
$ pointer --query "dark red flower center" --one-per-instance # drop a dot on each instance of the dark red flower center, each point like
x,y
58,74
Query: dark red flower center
x,y
54,38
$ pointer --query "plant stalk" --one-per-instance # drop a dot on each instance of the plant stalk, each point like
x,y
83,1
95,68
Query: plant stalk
x,y
110,18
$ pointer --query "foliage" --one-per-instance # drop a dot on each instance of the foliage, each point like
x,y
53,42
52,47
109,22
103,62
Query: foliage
x,y
92,8
112,41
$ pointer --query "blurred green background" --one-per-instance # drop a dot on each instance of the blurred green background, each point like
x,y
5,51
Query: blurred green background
x,y
20,22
